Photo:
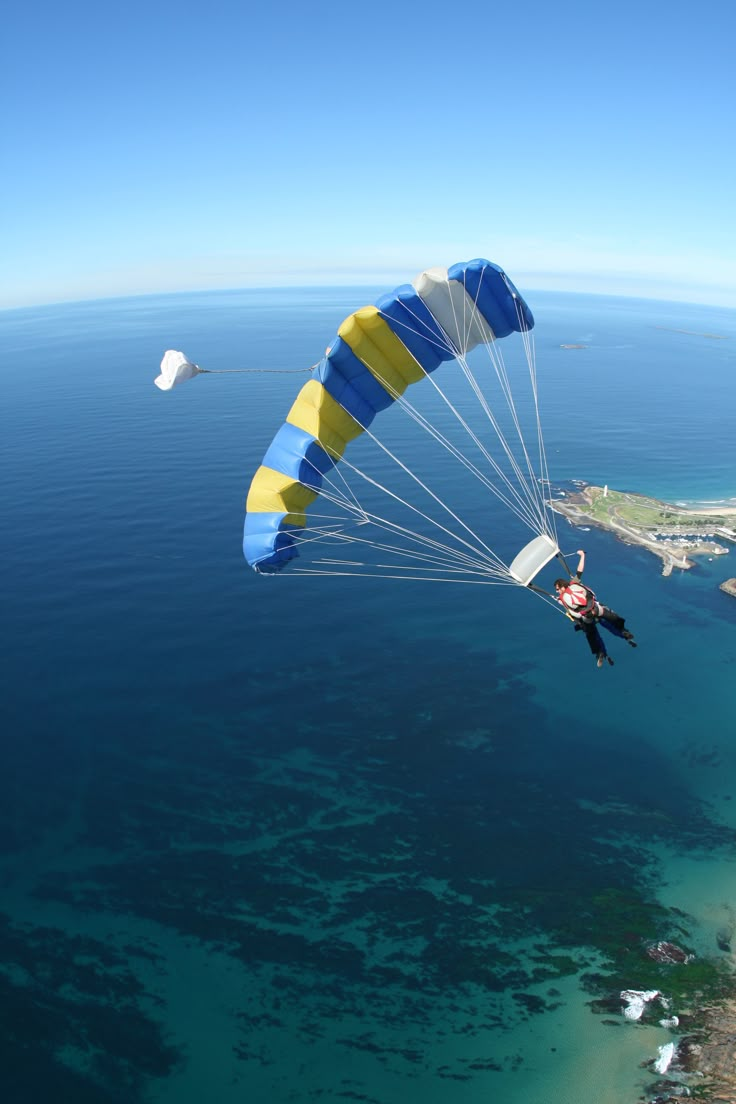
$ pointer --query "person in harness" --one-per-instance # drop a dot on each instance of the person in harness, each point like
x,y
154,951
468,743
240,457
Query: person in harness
x,y
586,612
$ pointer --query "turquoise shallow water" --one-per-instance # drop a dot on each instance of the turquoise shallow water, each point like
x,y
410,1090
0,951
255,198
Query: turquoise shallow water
x,y
322,839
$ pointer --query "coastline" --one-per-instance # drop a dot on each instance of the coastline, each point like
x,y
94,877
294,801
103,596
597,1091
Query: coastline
x,y
702,1061
703,1058
674,533
710,1054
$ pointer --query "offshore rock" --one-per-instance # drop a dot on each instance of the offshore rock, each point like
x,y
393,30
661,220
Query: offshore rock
x,y
668,1092
668,952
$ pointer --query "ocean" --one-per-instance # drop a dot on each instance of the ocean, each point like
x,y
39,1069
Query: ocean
x,y
293,839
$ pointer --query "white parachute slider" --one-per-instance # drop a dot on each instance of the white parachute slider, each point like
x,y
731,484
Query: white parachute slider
x,y
527,564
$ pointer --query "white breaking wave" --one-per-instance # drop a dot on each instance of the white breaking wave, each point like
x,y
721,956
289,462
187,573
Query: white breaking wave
x,y
673,1021
636,1000
666,1054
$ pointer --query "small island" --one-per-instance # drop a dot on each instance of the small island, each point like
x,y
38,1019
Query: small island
x,y
673,532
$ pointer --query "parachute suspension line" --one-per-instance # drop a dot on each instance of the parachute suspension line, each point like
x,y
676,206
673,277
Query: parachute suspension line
x,y
495,353
363,517
520,504
422,330
490,554
536,484
546,597
344,497
383,575
536,519
528,482
464,566
531,489
347,500
529,508
461,558
529,345
463,563
487,555
516,503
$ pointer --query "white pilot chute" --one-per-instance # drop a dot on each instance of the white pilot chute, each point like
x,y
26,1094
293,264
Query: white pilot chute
x,y
175,369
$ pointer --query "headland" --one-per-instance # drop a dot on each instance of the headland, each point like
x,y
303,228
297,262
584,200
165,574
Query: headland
x,y
674,533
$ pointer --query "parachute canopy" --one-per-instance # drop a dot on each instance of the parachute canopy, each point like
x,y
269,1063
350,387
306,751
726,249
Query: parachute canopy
x,y
378,353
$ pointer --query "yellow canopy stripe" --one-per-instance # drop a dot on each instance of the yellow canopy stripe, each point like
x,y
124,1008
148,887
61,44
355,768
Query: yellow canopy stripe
x,y
272,492
316,412
383,353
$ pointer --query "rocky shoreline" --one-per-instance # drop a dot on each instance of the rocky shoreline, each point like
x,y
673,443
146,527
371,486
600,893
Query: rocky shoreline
x,y
703,1065
700,1060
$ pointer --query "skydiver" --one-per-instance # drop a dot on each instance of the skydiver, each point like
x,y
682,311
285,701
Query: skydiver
x,y
586,612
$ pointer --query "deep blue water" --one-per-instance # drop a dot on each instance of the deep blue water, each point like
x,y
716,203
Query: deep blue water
x,y
338,839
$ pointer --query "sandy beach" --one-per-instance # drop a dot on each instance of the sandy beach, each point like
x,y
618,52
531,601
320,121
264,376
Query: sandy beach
x,y
712,511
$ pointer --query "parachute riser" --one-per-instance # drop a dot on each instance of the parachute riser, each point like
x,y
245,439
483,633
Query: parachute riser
x,y
539,590
564,563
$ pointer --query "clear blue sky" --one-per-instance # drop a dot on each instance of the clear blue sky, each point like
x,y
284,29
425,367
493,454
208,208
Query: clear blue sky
x,y
163,146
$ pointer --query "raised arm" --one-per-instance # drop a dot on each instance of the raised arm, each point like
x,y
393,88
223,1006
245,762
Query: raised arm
x,y
581,561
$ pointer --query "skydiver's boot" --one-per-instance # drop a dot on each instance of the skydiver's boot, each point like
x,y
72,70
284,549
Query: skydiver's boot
x,y
629,638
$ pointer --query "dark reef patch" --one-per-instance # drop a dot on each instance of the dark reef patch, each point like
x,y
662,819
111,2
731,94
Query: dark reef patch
x,y
378,860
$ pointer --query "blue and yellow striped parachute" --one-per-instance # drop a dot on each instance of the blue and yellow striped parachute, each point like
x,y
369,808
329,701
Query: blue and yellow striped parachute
x,y
379,350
